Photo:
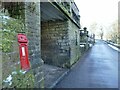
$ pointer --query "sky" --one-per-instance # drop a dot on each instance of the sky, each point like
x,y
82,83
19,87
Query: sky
x,y
101,11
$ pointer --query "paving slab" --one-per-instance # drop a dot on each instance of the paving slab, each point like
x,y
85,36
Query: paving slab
x,y
52,75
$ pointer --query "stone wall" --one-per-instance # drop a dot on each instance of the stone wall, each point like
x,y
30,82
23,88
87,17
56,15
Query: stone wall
x,y
60,43
10,59
74,43
55,43
32,20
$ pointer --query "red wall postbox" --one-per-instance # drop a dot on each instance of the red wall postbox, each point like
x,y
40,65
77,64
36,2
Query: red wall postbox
x,y
23,51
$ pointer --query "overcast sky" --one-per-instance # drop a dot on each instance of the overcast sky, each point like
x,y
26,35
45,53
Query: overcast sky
x,y
100,11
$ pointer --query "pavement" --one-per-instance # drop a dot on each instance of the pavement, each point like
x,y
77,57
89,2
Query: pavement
x,y
52,75
98,68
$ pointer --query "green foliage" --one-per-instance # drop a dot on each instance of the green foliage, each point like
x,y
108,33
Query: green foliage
x,y
23,81
16,10
20,80
10,28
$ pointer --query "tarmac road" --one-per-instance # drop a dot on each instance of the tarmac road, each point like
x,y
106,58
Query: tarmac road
x,y
98,68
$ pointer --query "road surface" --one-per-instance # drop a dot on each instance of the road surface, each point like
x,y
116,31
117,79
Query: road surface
x,y
98,68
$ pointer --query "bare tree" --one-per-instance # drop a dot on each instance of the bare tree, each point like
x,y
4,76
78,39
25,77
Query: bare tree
x,y
113,34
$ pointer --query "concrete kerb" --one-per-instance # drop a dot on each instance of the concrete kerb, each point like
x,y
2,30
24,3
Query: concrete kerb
x,y
59,79
112,45
64,74
80,58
